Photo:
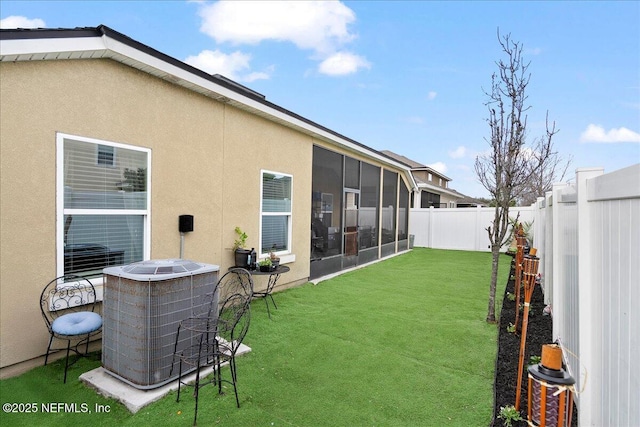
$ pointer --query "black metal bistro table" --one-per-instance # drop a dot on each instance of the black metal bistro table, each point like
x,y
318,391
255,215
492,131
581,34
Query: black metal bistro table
x,y
274,275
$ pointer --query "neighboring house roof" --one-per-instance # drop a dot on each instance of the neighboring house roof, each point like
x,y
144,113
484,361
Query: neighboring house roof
x,y
434,188
413,164
103,42
466,201
421,183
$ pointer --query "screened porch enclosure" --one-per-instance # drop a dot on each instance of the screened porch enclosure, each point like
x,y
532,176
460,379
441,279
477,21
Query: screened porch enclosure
x,y
359,212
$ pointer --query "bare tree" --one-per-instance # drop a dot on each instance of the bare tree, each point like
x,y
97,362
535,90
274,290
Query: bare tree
x,y
553,169
511,164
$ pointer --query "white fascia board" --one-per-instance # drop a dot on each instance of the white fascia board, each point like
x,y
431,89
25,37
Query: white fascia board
x,y
146,61
23,47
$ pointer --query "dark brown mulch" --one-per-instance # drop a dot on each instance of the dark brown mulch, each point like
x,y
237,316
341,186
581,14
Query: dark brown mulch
x,y
539,331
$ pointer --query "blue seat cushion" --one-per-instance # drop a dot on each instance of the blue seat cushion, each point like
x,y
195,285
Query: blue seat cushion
x,y
79,323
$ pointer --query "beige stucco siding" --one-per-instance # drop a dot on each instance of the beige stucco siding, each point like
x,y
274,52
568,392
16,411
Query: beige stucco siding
x,y
253,144
206,159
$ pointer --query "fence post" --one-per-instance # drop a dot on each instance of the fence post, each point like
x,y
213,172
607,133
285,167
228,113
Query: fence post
x,y
557,300
430,237
538,238
589,313
548,249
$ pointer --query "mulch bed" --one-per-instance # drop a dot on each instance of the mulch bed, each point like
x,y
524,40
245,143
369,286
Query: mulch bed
x,y
539,331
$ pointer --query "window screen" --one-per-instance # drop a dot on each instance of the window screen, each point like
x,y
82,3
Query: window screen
x,y
389,195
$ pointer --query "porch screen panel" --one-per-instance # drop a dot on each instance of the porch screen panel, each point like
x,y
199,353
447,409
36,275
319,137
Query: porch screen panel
x,y
428,199
326,203
403,215
351,173
389,195
369,206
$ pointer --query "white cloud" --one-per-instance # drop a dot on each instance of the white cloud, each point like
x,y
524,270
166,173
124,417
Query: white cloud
x,y
309,25
229,65
432,95
458,153
21,22
342,63
438,166
322,27
595,133
257,75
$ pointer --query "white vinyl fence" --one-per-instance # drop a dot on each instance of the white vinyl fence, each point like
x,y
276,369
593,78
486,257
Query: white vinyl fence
x,y
588,238
458,228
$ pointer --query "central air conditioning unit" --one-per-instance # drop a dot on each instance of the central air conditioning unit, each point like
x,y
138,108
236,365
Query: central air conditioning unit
x,y
142,307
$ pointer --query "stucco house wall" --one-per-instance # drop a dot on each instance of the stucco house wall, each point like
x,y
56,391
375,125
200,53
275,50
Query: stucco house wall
x,y
206,161
208,152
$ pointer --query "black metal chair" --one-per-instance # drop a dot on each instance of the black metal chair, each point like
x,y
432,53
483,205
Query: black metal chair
x,y
216,336
68,306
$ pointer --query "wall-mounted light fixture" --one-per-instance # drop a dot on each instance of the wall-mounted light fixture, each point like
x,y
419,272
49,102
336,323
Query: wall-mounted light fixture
x,y
185,225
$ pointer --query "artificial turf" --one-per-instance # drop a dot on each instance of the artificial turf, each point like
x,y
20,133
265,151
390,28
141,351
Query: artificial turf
x,y
402,342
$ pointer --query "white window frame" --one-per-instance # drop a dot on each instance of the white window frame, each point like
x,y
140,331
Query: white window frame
x,y
284,255
61,211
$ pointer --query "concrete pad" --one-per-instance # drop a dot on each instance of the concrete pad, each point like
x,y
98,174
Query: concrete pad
x,y
133,398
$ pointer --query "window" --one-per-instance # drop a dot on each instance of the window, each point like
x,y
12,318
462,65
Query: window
x,y
106,156
102,205
275,232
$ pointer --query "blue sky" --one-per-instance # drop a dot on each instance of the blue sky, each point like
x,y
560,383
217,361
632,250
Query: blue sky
x,y
403,76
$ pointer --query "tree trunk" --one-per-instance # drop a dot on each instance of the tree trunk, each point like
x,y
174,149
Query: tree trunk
x,y
495,258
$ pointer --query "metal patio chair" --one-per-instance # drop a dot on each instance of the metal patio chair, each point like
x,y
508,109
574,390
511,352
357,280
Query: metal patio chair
x,y
216,336
68,307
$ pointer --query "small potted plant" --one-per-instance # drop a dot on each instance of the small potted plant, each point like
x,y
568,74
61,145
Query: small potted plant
x,y
265,265
275,260
243,256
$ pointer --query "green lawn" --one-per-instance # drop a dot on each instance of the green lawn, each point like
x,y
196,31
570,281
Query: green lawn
x,y
399,343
